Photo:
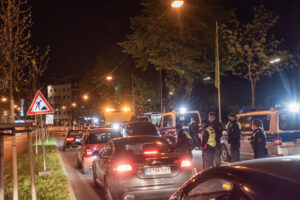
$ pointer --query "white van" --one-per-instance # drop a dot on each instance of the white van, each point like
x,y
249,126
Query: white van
x,y
169,120
282,129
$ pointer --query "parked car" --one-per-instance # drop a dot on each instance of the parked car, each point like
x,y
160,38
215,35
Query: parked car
x,y
271,178
139,128
73,139
94,141
140,167
282,128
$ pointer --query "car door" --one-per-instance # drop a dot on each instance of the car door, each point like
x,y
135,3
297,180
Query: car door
x,y
166,124
103,162
81,147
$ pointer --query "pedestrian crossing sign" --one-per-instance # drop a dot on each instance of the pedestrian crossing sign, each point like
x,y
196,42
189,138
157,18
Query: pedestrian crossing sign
x,y
39,105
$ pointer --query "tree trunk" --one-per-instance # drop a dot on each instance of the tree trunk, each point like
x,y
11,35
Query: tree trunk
x,y
252,94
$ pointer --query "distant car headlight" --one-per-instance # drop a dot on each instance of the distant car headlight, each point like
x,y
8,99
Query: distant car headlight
x,y
116,126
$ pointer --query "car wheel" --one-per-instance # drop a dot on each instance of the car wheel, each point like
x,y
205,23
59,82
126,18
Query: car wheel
x,y
107,194
225,156
84,168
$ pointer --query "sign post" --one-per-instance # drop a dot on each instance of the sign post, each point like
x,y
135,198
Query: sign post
x,y
39,106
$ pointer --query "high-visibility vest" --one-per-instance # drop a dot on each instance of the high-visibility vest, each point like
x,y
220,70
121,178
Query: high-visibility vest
x,y
240,125
212,136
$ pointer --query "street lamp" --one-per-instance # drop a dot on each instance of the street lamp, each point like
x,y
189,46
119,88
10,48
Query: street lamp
x,y
64,107
109,78
177,4
276,60
3,99
85,97
74,105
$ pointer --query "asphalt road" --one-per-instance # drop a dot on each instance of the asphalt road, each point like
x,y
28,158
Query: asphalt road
x,y
82,184
22,145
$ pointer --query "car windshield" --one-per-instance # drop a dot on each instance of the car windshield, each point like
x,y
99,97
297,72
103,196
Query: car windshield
x,y
141,129
102,137
185,119
75,133
137,146
289,121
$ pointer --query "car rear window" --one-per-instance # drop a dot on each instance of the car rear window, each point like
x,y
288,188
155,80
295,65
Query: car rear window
x,y
75,133
102,137
289,121
141,129
139,145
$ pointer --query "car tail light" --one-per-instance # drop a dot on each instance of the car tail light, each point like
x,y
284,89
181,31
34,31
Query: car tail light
x,y
151,152
70,139
277,141
123,168
185,163
88,152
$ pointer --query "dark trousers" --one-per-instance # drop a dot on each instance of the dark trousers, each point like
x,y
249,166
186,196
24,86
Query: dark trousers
x,y
196,140
208,158
235,152
218,154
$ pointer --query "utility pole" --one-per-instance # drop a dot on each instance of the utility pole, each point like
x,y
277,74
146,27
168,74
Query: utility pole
x,y
31,163
161,91
132,90
217,77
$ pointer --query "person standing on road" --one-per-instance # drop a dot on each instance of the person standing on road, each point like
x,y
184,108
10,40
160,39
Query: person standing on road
x,y
217,126
208,144
234,135
183,141
193,131
259,140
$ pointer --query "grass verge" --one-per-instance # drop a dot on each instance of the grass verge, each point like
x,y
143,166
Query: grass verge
x,y
47,187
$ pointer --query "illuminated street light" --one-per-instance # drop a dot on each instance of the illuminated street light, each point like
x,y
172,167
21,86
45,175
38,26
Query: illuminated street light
x,y
3,99
15,106
171,93
177,4
64,107
74,105
109,78
85,97
276,60
207,78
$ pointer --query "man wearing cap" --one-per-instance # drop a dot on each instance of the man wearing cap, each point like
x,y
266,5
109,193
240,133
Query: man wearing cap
x,y
259,140
234,135
208,144
183,141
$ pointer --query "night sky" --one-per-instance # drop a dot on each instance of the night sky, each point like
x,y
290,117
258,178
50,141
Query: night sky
x,y
79,31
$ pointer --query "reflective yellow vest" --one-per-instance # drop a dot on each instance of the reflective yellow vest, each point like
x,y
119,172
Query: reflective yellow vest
x,y
212,136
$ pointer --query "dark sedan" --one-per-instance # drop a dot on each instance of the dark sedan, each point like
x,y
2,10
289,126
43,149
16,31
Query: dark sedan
x,y
272,178
140,128
73,139
141,167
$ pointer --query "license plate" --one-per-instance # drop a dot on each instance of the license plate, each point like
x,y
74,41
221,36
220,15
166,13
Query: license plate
x,y
158,171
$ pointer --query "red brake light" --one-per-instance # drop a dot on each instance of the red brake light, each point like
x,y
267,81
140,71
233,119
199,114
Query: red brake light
x,y
123,168
150,152
277,141
185,164
70,139
88,152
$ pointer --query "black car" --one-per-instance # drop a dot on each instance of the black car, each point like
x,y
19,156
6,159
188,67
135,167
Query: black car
x,y
141,167
271,178
140,128
73,139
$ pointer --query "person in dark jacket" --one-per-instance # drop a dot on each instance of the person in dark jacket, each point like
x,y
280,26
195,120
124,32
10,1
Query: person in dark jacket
x,y
259,140
208,144
183,143
217,126
234,135
193,131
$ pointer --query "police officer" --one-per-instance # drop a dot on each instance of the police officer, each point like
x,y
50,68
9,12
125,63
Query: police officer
x,y
258,139
183,144
217,126
234,135
208,144
193,131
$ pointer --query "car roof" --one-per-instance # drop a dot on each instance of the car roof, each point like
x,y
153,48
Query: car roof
x,y
140,122
100,130
129,138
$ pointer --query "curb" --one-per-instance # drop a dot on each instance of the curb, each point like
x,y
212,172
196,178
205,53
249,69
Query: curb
x,y
70,189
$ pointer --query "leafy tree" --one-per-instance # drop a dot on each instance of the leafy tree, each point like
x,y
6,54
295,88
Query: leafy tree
x,y
178,41
252,47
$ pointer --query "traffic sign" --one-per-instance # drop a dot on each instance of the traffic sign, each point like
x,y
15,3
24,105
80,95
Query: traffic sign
x,y
40,105
49,119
